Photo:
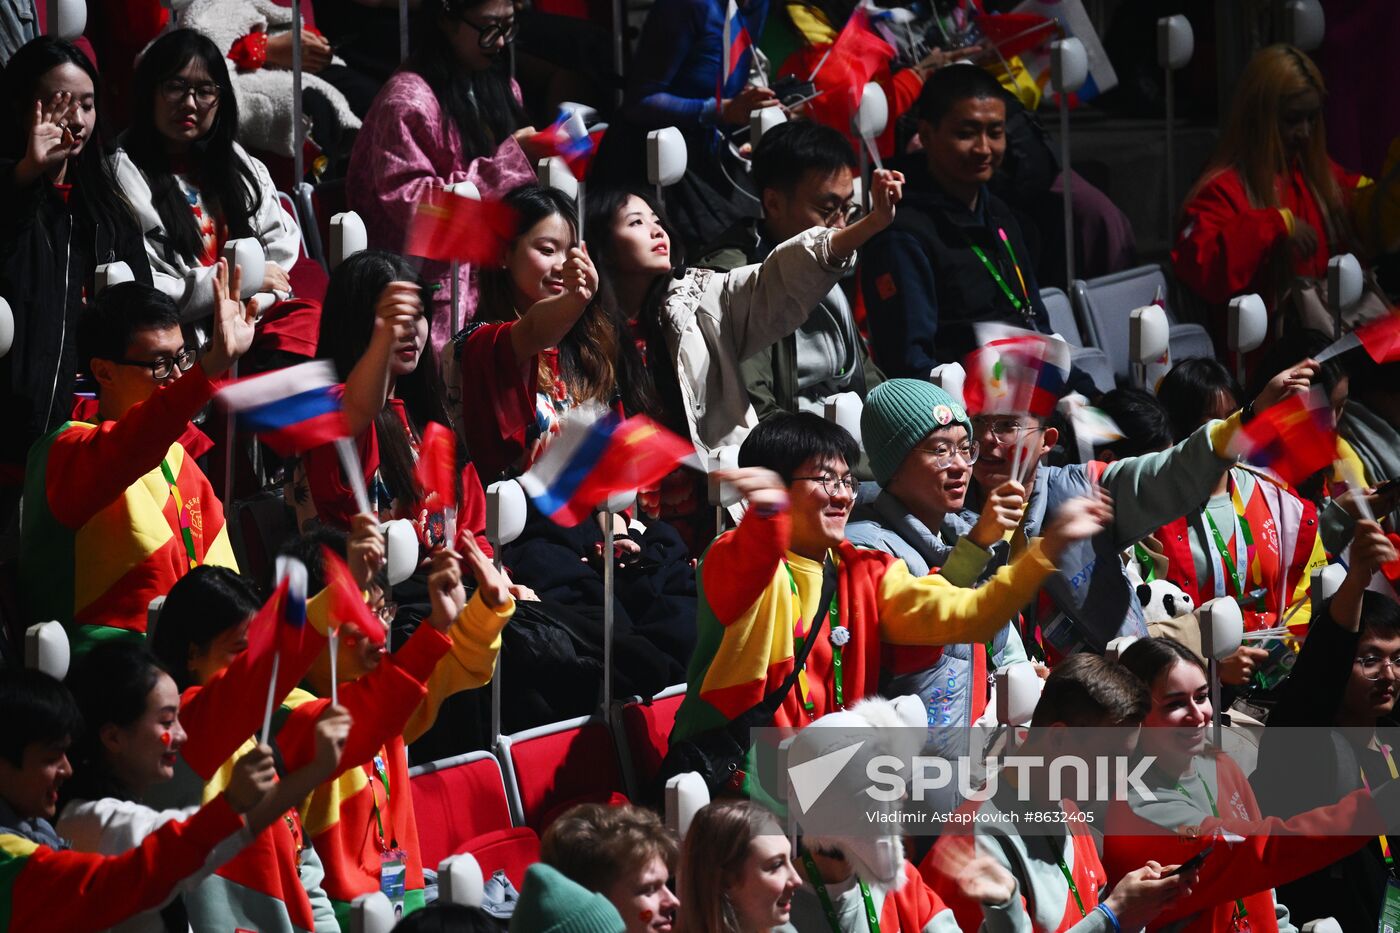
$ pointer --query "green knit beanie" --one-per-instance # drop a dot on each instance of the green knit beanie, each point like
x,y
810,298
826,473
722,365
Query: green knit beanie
x,y
898,414
551,903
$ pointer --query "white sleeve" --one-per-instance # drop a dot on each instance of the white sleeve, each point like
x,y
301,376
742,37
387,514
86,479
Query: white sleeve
x,y
764,303
278,230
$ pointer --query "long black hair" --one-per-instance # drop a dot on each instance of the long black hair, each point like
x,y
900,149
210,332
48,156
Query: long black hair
x,y
112,684
482,104
1191,389
97,189
653,385
346,329
201,606
226,182
598,359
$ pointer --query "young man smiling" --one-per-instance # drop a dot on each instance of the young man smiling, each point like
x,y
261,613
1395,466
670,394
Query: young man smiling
x,y
760,586
804,173
115,512
954,256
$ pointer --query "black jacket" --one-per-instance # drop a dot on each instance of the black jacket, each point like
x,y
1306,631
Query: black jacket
x,y
49,250
924,287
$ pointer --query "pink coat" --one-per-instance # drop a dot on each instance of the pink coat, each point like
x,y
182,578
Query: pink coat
x,y
407,146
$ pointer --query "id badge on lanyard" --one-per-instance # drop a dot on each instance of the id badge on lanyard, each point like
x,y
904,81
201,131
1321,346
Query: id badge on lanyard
x,y
1390,907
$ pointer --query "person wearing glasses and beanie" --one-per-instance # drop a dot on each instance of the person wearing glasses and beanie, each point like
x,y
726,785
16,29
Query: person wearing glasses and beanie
x,y
115,512
760,586
1345,679
450,114
919,442
804,173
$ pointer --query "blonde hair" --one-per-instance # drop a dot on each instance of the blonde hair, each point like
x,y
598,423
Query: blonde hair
x,y
1250,142
716,847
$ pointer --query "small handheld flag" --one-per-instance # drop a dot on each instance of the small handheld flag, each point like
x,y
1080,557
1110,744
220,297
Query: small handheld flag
x,y
292,410
1015,371
1380,337
1092,427
596,455
449,227
437,472
568,138
346,602
1294,438
286,608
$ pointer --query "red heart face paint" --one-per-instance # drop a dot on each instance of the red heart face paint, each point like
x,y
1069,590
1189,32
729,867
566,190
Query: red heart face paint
x,y
165,738
645,916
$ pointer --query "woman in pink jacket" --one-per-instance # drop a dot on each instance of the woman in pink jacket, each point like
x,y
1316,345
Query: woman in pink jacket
x,y
450,114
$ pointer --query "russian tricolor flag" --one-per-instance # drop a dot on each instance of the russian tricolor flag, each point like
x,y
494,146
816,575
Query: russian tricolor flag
x,y
292,409
597,455
1294,438
736,41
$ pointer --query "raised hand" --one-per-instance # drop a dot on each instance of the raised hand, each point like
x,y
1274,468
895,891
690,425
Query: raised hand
x,y
764,489
491,584
1000,513
886,191
234,322
1291,381
446,594
580,275
365,549
332,730
253,776
50,139
1077,520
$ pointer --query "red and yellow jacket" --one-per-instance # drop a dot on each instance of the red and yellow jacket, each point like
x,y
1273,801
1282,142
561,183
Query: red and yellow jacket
x,y
103,532
266,872
748,612
48,889
343,817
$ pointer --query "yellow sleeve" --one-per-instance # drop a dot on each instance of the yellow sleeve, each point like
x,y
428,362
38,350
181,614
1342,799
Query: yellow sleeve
x,y
1347,453
811,24
931,611
470,663
1222,433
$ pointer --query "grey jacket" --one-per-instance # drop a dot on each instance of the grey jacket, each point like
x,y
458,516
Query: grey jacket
x,y
1096,602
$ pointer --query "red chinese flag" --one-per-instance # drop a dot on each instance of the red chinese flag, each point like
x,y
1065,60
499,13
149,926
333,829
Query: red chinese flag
x,y
1294,438
449,227
1011,34
347,603
437,464
1381,338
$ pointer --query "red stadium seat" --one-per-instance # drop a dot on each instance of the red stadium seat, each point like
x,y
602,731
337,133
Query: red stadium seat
x,y
461,806
551,768
644,735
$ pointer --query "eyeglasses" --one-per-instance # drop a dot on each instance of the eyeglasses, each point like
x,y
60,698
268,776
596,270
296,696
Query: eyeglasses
x,y
164,367
1005,430
1371,665
846,213
176,90
387,612
833,486
501,30
944,454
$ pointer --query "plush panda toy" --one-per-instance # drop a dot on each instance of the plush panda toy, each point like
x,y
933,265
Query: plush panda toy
x,y
1163,600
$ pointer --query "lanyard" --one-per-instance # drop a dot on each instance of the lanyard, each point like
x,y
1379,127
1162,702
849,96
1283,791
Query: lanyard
x,y
872,921
1244,538
1394,774
380,769
1068,876
1240,912
799,629
1018,303
182,513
